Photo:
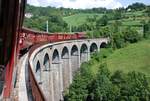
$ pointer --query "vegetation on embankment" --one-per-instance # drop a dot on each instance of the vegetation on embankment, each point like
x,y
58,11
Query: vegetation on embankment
x,y
114,75
133,57
81,18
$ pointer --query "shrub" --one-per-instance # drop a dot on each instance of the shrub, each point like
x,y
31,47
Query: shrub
x,y
131,35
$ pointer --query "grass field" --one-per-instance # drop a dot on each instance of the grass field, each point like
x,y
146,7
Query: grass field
x,y
136,14
78,19
128,22
131,22
133,57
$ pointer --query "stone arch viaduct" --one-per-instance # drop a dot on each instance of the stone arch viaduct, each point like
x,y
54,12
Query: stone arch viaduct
x,y
55,64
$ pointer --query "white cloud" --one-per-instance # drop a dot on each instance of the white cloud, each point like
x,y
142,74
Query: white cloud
x,y
83,4
33,2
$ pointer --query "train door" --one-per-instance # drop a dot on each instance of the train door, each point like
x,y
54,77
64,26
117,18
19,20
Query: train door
x,y
1,52
11,17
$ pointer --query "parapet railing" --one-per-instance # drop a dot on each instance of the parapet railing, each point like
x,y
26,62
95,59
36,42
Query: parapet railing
x,y
37,93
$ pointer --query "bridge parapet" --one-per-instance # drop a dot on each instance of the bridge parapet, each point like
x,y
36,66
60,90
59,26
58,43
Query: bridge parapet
x,y
54,64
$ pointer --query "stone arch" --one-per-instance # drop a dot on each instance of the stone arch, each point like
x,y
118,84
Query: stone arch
x,y
46,62
65,67
74,50
103,45
38,72
65,53
46,77
83,53
93,48
55,56
74,59
56,73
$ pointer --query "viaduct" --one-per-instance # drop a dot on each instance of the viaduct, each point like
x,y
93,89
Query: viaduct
x,y
55,64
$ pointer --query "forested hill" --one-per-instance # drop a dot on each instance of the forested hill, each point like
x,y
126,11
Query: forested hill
x,y
47,11
39,16
62,19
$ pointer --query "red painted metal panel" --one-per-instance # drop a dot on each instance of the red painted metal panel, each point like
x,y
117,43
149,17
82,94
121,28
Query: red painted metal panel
x,y
36,91
34,37
12,21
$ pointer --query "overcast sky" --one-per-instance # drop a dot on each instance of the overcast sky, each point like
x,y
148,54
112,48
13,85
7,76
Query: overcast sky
x,y
83,4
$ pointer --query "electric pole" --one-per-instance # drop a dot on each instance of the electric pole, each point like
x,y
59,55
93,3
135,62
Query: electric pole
x,y
70,28
47,26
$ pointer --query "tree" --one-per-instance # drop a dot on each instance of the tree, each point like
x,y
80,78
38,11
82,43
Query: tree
x,y
104,31
102,21
103,89
117,15
136,86
147,11
116,26
78,90
118,40
133,86
146,28
119,86
136,6
118,78
131,35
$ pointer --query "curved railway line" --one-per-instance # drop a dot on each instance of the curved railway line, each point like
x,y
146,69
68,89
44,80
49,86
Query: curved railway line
x,y
17,44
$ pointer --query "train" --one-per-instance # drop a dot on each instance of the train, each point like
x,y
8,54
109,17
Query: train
x,y
15,39
29,37
11,21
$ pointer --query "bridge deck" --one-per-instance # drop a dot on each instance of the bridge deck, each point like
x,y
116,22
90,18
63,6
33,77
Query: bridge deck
x,y
22,90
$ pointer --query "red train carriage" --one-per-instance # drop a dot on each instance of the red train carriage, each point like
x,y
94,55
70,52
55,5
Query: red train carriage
x,y
81,35
30,37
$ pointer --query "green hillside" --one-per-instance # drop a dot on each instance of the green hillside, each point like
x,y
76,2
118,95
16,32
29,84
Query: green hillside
x,y
135,16
79,19
133,57
131,18
130,82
